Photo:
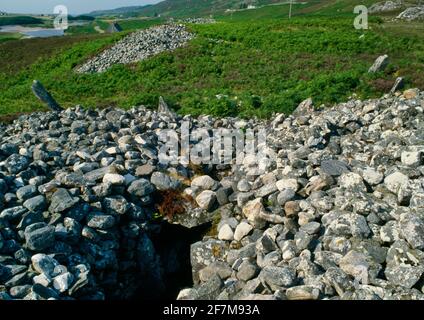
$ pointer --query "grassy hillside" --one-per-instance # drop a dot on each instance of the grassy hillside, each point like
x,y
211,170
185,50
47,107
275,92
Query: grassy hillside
x,y
262,66
189,8
103,24
124,11
30,53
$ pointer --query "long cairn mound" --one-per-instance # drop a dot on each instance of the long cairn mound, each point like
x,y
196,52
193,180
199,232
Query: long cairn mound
x,y
336,214
139,46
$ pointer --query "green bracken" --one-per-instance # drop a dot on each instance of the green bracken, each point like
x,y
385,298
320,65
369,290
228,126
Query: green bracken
x,y
255,67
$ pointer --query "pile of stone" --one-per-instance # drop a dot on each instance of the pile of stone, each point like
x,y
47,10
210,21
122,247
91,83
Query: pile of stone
x,y
412,13
139,46
336,214
386,6
339,215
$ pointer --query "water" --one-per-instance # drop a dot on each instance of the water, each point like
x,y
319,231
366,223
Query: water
x,y
30,32
45,33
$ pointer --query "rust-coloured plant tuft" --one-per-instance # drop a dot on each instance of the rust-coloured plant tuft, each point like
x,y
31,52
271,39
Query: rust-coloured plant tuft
x,y
173,202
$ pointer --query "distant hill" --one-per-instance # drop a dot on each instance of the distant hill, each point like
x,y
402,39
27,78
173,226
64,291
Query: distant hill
x,y
20,20
183,8
197,8
124,11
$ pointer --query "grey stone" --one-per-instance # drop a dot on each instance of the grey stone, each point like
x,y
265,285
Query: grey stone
x,y
36,204
141,188
211,289
164,182
302,293
277,277
285,196
219,268
334,167
204,183
379,64
61,201
349,224
44,264
26,192
247,271
266,190
16,163
311,227
39,236
116,205
101,222
145,170
12,213
243,185
412,230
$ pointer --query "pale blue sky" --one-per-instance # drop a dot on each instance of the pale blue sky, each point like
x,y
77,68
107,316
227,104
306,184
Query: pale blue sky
x,y
74,6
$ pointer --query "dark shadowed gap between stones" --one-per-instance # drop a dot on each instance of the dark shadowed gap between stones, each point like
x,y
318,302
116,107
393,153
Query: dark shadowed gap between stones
x,y
172,244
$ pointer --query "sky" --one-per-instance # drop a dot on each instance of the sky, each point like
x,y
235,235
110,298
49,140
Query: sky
x,y
74,6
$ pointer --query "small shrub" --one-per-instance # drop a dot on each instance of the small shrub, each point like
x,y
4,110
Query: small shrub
x,y
172,202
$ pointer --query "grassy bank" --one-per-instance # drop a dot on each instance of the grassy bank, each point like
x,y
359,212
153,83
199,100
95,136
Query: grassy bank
x,y
260,66
8,36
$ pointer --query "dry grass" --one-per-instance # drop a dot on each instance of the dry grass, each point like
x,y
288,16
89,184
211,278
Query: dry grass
x,y
26,52
173,202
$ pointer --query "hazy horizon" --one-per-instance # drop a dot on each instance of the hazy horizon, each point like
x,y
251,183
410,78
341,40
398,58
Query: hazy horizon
x,y
74,6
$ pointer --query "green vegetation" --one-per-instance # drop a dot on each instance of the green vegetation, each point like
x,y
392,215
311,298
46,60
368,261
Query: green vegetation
x,y
80,18
192,8
19,20
259,67
9,36
29,53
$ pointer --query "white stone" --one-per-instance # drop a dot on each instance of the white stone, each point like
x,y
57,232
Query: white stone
x,y
289,254
243,185
395,181
63,282
44,264
187,294
351,180
253,211
113,178
242,230
284,184
372,176
226,233
204,182
42,279
412,158
112,150
206,199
